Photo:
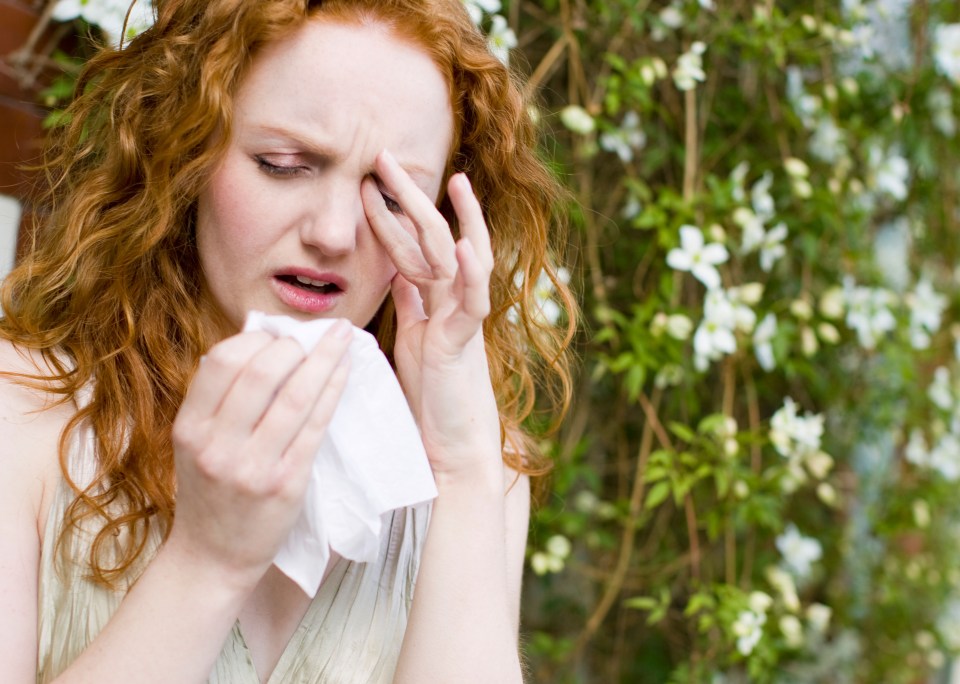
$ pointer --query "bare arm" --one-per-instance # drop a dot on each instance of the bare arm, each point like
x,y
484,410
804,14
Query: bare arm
x,y
244,441
466,606
463,623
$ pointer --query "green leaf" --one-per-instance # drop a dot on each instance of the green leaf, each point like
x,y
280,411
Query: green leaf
x,y
658,493
682,431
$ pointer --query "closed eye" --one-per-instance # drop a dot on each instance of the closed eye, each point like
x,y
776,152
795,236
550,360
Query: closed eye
x,y
277,169
392,205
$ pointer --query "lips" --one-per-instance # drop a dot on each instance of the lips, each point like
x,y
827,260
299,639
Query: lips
x,y
310,284
308,291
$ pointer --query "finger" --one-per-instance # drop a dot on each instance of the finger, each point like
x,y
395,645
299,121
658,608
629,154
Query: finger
x,y
300,453
473,225
407,301
295,400
218,370
256,385
402,247
435,238
474,282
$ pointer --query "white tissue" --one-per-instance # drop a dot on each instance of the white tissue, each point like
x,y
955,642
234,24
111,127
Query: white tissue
x,y
371,461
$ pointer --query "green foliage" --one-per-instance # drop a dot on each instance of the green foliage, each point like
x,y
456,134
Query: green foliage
x,y
758,479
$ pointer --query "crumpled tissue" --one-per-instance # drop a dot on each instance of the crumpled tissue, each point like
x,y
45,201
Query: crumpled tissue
x,y
371,460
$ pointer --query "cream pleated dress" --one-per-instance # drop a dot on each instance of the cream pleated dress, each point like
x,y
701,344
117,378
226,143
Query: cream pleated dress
x,y
351,633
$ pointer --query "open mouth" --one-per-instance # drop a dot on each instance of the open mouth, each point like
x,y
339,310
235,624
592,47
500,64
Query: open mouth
x,y
310,285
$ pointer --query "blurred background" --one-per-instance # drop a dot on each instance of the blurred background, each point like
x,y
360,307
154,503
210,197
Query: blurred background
x,y
757,480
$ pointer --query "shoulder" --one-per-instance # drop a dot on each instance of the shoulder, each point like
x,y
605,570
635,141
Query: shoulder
x,y
31,422
30,427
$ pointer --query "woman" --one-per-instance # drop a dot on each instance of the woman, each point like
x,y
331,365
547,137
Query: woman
x,y
340,159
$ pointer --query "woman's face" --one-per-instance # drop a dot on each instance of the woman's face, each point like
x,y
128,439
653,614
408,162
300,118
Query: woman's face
x,y
281,227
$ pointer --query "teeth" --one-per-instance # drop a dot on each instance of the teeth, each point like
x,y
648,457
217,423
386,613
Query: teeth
x,y
311,281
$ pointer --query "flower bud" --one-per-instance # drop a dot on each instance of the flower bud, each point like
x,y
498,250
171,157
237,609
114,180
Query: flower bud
x,y
577,119
809,344
827,494
751,293
796,167
792,631
828,333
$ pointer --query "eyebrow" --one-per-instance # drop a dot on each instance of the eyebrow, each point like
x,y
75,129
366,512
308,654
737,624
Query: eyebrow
x,y
319,149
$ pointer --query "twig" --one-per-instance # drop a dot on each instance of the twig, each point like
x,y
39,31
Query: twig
x,y
612,590
690,152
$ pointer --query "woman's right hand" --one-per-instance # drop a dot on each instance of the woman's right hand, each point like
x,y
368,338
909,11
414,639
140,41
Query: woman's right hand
x,y
244,442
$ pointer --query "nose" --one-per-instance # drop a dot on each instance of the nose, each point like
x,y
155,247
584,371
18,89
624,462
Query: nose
x,y
332,217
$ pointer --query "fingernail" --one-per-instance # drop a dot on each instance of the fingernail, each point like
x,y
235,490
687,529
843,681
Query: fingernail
x,y
465,180
387,157
342,329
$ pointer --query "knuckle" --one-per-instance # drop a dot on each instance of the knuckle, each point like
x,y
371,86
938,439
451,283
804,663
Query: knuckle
x,y
295,398
186,434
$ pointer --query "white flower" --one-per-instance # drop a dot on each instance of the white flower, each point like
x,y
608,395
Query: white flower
x,y
799,552
476,8
868,313
707,5
793,435
940,391
744,318
559,546
763,205
748,628
946,41
700,259
940,103
737,176
772,247
891,173
671,16
891,252
501,38
752,229
547,308
689,68
945,457
624,140
109,15
632,208
828,142
818,615
762,342
577,119
926,308
552,558
711,341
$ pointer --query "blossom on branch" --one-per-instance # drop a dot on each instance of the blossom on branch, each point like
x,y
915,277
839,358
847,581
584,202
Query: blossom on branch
x,y
698,258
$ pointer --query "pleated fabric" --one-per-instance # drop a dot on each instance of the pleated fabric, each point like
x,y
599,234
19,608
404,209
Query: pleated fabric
x,y
350,634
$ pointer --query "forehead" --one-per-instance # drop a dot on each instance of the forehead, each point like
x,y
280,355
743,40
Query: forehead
x,y
354,84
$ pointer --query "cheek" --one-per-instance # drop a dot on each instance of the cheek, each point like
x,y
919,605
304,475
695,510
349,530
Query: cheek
x,y
225,211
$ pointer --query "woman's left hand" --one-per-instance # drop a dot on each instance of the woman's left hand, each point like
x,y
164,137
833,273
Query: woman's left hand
x,y
442,295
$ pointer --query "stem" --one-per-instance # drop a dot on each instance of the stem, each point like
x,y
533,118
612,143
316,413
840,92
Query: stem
x,y
694,538
690,152
627,540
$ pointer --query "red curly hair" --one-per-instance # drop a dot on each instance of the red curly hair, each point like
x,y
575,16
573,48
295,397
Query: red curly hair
x,y
111,289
